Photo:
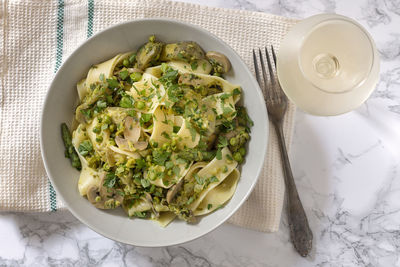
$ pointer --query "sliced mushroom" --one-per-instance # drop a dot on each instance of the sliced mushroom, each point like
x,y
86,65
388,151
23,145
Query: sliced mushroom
x,y
150,199
132,130
141,145
174,190
93,196
184,51
122,143
103,197
219,59
149,53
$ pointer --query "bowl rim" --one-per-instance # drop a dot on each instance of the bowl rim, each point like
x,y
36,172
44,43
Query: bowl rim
x,y
59,72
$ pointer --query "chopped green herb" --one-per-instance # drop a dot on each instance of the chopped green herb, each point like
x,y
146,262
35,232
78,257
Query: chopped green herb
x,y
124,74
236,91
229,157
145,118
194,65
169,165
192,130
131,113
140,214
199,180
110,180
145,183
112,83
176,170
219,154
104,126
225,169
87,113
209,206
213,179
160,156
190,200
132,58
225,96
126,102
166,135
176,129
227,110
101,104
85,148
140,163
222,142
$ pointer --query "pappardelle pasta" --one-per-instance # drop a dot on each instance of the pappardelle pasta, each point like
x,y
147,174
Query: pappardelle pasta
x,y
159,132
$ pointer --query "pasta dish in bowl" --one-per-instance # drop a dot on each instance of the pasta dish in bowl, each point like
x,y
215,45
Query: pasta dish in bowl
x,y
160,132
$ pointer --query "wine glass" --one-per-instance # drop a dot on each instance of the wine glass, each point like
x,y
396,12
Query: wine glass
x,y
328,64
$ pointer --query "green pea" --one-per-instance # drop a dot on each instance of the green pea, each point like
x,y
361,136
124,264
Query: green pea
x,y
233,141
132,58
165,146
242,151
237,157
96,129
136,76
153,143
111,142
125,62
99,139
112,127
106,167
164,67
140,105
169,172
106,119
173,142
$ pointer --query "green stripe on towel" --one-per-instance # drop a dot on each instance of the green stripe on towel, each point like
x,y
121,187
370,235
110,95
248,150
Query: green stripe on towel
x,y
59,54
90,18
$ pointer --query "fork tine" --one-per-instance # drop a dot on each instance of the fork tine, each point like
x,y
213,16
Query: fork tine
x,y
273,55
271,72
264,73
256,68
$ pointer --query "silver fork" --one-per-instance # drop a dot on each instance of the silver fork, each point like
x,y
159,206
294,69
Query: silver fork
x,y
276,101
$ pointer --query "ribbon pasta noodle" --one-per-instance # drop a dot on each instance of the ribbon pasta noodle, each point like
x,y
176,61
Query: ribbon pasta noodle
x,y
160,132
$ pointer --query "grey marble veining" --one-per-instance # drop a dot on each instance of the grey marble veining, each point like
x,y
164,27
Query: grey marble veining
x,y
347,169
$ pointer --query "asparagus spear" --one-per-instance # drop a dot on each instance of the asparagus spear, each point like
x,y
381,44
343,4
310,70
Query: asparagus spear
x,y
69,148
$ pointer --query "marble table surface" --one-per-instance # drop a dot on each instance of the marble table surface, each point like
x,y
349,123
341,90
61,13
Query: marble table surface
x,y
347,169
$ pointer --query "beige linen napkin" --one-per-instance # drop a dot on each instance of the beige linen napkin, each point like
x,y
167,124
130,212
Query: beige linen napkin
x,y
36,36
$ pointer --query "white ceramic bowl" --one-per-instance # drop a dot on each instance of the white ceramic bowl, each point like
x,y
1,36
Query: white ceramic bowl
x,y
59,107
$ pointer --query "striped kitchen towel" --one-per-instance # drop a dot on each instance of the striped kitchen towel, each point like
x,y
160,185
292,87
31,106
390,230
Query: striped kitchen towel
x,y
37,36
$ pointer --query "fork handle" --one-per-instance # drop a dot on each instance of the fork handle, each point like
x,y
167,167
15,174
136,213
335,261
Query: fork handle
x,y
300,231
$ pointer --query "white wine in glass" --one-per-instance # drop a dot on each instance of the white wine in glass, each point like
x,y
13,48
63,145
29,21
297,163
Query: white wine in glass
x,y
328,64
